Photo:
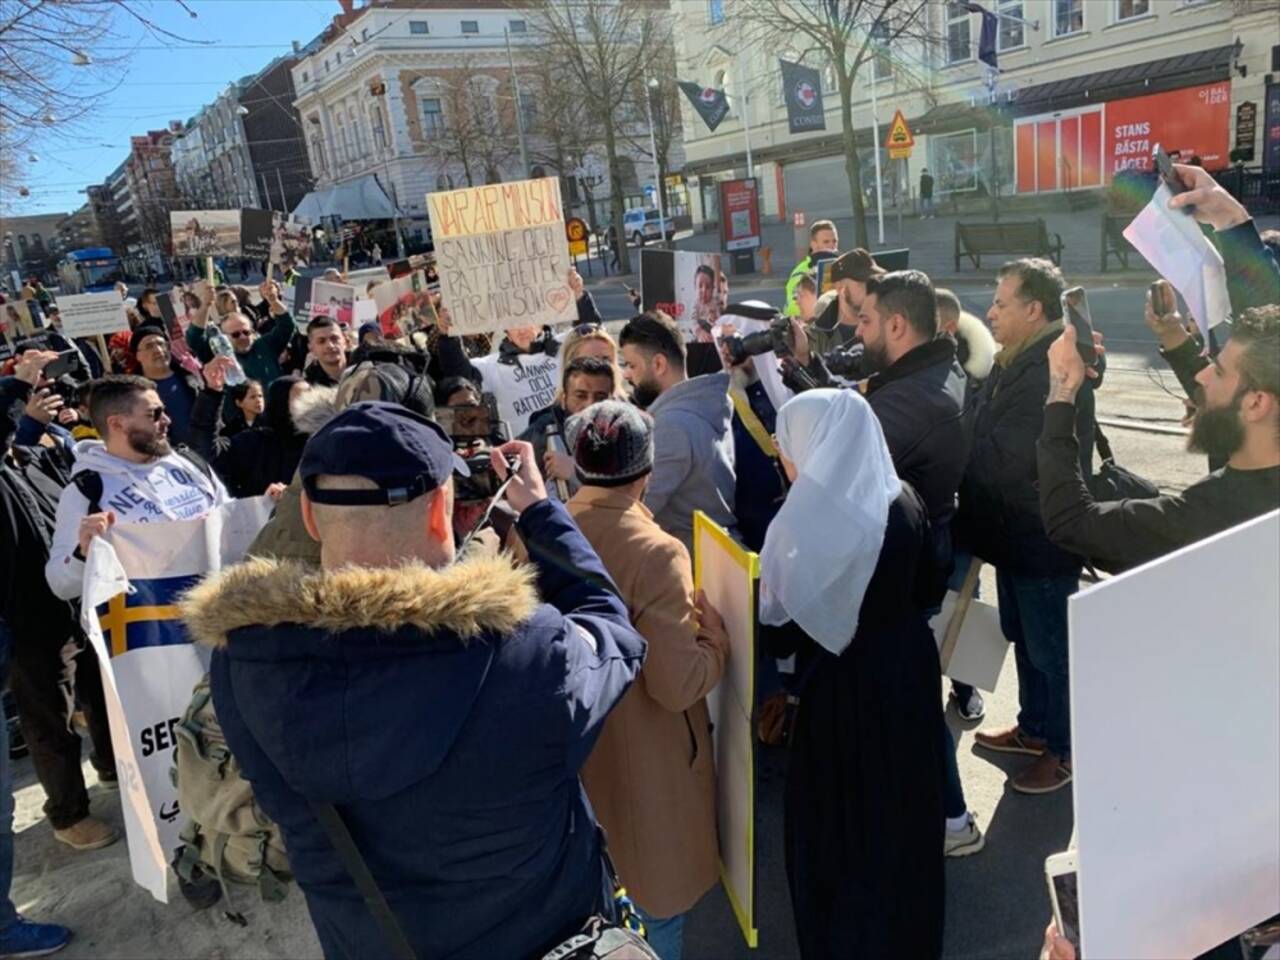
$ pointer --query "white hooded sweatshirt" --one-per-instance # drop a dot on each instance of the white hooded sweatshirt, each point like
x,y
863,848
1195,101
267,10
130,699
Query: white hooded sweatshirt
x,y
169,488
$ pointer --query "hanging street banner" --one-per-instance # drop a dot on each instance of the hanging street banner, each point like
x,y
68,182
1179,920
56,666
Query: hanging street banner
x,y
502,255
802,90
712,105
900,141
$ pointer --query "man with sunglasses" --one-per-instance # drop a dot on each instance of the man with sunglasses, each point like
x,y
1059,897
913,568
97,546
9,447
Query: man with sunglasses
x,y
258,355
131,475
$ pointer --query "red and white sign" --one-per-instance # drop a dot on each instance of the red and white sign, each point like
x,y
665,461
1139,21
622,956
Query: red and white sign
x,y
740,214
1088,147
1195,121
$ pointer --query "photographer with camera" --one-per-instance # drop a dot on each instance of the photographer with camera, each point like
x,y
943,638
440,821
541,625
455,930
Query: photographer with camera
x,y
1238,419
51,662
441,757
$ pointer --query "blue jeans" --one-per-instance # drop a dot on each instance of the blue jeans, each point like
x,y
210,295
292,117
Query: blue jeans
x,y
7,912
1033,617
665,936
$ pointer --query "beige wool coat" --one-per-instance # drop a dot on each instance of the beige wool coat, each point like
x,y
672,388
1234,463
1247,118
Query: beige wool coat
x,y
651,776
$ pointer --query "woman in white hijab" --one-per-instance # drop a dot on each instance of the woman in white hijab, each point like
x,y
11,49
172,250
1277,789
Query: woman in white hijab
x,y
844,566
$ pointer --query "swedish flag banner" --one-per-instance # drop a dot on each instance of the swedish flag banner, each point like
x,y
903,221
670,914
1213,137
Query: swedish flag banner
x,y
133,578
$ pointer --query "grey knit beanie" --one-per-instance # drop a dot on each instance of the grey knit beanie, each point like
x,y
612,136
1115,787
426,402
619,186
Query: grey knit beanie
x,y
611,443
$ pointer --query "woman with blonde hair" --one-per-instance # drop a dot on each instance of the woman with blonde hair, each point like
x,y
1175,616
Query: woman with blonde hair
x,y
589,373
587,340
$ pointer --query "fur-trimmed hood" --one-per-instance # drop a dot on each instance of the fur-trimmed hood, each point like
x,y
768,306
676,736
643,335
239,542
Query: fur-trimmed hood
x,y
975,346
478,594
314,408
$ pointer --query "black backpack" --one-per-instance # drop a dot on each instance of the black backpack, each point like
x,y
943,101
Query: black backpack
x,y
89,482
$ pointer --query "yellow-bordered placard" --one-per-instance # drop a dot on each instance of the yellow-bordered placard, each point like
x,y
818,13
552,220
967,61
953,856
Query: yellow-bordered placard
x,y
716,552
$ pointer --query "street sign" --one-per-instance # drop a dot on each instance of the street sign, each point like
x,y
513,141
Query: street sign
x,y
900,140
1246,130
575,230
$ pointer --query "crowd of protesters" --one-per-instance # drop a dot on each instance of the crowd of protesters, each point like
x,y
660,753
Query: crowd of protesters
x,y
550,679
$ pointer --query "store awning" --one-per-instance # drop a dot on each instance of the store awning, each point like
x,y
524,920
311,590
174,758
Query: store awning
x,y
1133,80
360,199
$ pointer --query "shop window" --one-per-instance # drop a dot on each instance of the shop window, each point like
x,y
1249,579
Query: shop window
x,y
954,161
1068,17
958,24
1128,9
1010,35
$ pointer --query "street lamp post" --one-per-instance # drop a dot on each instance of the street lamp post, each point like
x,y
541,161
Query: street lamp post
x,y
378,91
651,86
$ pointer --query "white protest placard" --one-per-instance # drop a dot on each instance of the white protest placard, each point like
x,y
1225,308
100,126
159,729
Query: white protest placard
x,y
729,574
91,314
502,255
133,578
1175,718
980,650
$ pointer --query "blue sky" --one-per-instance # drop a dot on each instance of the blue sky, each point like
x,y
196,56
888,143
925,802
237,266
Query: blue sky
x,y
163,81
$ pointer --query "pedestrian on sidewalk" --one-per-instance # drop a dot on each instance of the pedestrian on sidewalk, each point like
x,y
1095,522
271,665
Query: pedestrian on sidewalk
x,y
927,210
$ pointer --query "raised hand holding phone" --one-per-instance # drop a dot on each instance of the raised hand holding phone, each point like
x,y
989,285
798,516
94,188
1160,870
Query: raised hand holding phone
x,y
1075,306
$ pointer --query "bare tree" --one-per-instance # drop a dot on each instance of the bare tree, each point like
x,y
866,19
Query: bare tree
x,y
846,34
561,134
475,132
658,88
603,45
53,71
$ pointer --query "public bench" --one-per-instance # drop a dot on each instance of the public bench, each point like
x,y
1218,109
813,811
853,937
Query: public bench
x,y
1113,242
1026,238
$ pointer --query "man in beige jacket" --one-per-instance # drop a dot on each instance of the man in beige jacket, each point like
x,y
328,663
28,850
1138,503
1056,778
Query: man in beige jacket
x,y
651,776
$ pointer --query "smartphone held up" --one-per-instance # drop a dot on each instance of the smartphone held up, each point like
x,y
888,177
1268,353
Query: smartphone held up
x,y
1061,872
1075,307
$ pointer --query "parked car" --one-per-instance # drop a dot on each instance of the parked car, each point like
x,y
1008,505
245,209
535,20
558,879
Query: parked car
x,y
639,225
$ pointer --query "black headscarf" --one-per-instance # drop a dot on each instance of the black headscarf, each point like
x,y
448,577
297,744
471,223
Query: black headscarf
x,y
275,413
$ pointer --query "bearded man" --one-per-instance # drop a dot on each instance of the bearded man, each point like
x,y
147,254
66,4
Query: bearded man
x,y
1237,421
131,475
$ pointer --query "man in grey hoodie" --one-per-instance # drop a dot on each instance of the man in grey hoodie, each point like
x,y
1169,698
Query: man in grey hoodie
x,y
692,427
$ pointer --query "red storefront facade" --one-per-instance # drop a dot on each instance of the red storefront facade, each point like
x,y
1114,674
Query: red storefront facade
x,y
1086,147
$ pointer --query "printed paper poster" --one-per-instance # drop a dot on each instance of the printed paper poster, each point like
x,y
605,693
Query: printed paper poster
x,y
502,255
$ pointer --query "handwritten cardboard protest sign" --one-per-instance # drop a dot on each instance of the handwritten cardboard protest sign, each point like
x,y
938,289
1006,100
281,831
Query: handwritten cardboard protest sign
x,y
502,255
89,314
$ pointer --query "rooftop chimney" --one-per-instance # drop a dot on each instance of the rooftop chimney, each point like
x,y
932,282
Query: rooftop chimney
x,y
347,6
297,47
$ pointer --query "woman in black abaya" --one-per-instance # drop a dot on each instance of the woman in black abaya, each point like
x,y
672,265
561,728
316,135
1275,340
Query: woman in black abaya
x,y
842,565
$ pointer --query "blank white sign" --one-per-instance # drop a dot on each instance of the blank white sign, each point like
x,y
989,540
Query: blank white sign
x,y
1175,716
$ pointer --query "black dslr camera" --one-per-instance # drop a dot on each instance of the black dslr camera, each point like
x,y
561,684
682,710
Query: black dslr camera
x,y
475,430
777,339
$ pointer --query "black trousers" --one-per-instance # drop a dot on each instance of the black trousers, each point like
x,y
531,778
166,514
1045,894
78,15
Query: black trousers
x,y
49,674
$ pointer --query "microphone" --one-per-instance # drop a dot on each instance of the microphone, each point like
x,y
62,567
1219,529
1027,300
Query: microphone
x,y
556,442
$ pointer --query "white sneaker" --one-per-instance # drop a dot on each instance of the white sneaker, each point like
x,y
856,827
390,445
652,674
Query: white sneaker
x,y
964,842
974,708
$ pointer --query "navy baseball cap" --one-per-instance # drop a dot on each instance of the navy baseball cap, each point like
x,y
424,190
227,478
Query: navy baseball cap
x,y
403,452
